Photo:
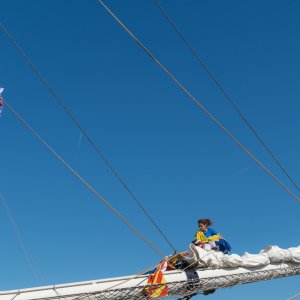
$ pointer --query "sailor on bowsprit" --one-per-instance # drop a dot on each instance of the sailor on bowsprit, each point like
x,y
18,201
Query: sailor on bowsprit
x,y
209,239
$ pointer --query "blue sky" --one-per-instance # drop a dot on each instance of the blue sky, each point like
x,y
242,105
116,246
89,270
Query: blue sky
x,y
178,163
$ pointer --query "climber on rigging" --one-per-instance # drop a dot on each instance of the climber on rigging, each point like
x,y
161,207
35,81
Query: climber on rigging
x,y
208,239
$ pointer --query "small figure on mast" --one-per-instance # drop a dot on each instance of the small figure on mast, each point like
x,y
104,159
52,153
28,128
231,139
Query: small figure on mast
x,y
209,239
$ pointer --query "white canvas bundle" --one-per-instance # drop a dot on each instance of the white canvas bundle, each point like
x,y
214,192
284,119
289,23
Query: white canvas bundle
x,y
277,254
295,253
231,261
200,257
255,260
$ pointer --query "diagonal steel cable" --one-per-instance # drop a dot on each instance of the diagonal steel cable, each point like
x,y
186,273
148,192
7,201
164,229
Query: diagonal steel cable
x,y
101,198
294,297
197,102
85,134
224,92
31,261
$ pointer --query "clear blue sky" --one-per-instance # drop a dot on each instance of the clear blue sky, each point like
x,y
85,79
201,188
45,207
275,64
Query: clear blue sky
x,y
179,164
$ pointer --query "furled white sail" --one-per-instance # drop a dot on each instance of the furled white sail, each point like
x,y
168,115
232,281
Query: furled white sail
x,y
215,259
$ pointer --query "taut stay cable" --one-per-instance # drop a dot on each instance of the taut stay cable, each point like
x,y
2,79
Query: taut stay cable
x,y
224,92
84,181
198,104
84,133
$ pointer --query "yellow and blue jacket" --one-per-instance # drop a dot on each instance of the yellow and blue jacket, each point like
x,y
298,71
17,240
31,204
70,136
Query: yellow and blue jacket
x,y
202,238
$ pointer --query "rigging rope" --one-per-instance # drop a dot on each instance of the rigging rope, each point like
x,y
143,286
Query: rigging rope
x,y
197,103
224,92
84,181
21,241
294,297
83,132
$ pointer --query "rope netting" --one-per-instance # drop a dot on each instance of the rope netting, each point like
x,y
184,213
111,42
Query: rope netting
x,y
180,288
190,287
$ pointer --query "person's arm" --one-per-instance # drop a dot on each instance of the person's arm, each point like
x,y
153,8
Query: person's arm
x,y
213,232
214,238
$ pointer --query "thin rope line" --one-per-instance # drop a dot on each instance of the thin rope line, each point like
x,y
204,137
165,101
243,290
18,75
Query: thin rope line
x,y
84,182
22,242
198,104
293,297
83,132
222,89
